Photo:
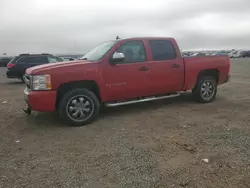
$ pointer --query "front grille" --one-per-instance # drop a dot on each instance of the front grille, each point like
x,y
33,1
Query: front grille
x,y
27,80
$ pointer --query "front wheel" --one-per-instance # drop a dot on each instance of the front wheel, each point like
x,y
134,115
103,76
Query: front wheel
x,y
205,90
79,107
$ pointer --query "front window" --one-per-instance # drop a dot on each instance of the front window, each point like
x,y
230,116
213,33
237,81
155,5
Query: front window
x,y
98,52
133,51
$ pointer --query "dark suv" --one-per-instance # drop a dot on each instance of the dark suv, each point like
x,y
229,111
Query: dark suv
x,y
18,65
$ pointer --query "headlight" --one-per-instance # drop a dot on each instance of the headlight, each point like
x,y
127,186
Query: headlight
x,y
41,82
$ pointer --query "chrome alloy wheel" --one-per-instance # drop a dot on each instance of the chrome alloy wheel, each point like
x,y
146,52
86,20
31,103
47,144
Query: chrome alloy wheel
x,y
80,108
207,89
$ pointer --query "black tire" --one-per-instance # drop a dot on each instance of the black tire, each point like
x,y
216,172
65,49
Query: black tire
x,y
198,91
67,101
22,78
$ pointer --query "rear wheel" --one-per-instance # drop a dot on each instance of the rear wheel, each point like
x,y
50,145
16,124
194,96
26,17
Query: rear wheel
x,y
205,90
79,107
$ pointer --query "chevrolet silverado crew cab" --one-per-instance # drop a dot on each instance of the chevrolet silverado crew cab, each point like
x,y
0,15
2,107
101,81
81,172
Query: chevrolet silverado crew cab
x,y
122,72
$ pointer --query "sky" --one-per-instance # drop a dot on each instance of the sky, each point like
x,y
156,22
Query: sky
x,y
76,26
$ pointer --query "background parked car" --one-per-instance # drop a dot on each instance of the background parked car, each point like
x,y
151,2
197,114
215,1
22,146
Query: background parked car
x,y
68,59
18,65
219,54
185,54
4,60
235,54
199,54
245,54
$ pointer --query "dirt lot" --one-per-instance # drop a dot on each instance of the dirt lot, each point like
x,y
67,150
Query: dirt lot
x,y
157,144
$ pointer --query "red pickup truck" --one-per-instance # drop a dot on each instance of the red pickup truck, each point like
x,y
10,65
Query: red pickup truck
x,y
122,72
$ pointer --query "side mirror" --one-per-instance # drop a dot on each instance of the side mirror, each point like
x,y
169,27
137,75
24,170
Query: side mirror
x,y
117,57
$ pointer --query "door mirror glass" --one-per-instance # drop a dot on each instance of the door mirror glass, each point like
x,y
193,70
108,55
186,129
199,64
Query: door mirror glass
x,y
117,57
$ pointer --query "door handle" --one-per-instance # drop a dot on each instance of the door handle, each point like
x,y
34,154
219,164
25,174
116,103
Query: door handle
x,y
175,66
143,69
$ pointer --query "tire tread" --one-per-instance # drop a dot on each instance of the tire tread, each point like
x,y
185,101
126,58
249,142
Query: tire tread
x,y
196,90
62,106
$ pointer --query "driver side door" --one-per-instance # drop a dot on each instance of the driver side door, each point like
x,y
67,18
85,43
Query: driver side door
x,y
126,79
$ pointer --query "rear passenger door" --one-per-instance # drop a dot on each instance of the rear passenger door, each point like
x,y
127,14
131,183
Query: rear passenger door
x,y
166,73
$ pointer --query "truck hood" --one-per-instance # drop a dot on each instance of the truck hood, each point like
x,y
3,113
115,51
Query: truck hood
x,y
41,69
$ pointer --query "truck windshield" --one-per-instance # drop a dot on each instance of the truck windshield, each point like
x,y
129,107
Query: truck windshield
x,y
98,52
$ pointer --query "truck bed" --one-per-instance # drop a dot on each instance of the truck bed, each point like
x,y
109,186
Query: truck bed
x,y
193,65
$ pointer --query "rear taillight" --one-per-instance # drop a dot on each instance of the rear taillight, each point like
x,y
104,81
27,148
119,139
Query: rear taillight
x,y
10,65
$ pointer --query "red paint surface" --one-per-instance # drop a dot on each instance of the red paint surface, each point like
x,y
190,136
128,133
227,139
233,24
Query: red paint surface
x,y
124,81
43,101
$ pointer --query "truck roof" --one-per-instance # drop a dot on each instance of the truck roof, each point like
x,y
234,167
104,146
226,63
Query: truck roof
x,y
147,38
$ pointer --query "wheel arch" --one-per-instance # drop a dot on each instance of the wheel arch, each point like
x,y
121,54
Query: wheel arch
x,y
87,84
215,73
202,77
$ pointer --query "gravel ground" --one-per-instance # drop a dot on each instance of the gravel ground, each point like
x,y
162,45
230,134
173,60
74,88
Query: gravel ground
x,y
157,144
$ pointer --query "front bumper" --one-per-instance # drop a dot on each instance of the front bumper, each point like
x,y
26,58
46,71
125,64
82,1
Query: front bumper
x,y
42,101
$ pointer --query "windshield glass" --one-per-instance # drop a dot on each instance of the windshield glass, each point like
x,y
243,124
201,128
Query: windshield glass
x,y
98,52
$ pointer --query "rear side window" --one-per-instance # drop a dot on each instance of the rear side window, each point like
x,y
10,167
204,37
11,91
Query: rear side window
x,y
162,50
53,59
14,60
33,60
59,59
